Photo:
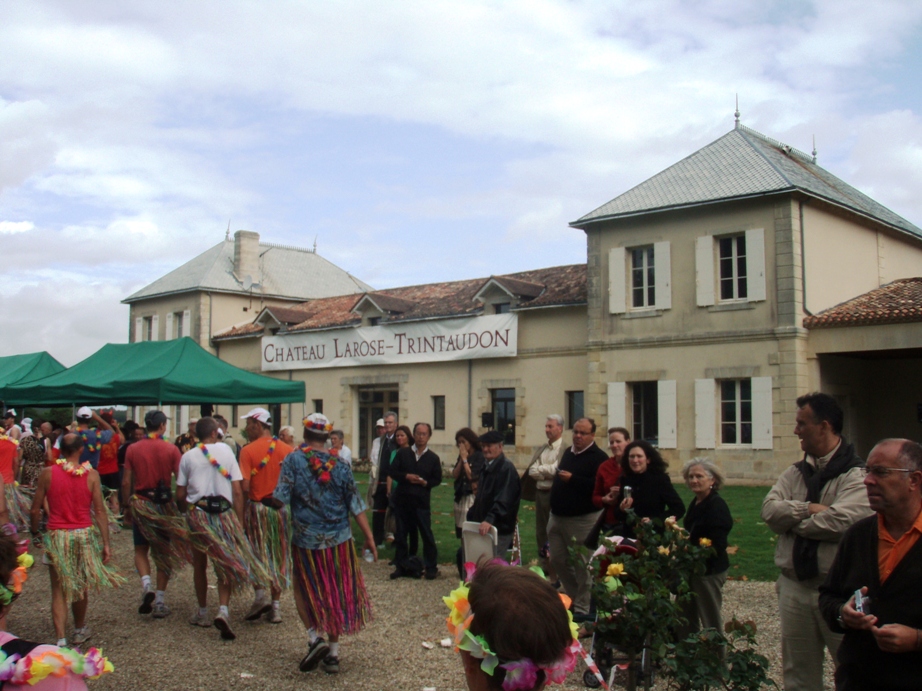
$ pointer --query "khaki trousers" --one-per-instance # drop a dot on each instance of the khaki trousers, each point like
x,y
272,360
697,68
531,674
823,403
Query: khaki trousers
x,y
804,634
561,530
542,516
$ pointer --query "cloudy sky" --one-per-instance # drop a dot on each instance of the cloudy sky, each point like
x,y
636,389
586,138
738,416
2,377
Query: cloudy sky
x,y
416,141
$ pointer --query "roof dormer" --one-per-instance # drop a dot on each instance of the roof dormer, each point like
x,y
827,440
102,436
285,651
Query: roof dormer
x,y
373,307
501,294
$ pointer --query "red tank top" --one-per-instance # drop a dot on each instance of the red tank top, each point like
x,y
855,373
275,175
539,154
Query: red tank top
x,y
69,500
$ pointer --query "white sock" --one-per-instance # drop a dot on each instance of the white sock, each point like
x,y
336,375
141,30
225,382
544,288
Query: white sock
x,y
203,611
312,636
62,643
158,597
275,604
145,582
222,610
334,649
260,593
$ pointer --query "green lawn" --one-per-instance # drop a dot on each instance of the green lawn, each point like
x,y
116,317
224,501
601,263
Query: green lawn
x,y
753,541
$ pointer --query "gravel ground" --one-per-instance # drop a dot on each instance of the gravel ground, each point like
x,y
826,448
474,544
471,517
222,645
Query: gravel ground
x,y
171,654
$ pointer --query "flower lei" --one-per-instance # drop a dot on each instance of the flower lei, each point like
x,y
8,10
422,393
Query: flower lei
x,y
78,470
316,426
19,575
6,437
265,461
318,466
33,668
92,448
520,674
156,436
211,459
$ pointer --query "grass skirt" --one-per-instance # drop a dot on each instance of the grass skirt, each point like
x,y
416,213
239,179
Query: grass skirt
x,y
77,559
19,504
268,532
331,588
222,539
165,529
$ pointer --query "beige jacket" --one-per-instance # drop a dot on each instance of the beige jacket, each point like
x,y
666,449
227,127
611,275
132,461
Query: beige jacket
x,y
786,512
544,473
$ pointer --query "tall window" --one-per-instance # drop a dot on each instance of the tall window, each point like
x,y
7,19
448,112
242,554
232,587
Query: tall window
x,y
438,412
643,277
645,409
732,253
503,401
575,407
736,411
148,329
318,405
178,325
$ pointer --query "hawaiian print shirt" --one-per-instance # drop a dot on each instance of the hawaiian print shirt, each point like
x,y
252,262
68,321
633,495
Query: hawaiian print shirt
x,y
319,513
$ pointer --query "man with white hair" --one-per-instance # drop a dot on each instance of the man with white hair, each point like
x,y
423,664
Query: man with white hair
x,y
540,476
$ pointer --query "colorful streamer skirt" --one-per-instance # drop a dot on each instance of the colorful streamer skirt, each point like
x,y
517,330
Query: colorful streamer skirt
x,y
330,588
166,531
268,532
77,559
220,537
18,504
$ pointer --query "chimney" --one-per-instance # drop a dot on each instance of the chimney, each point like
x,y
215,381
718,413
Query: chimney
x,y
246,255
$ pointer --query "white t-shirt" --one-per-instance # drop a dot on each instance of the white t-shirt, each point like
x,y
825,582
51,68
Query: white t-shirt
x,y
204,480
345,455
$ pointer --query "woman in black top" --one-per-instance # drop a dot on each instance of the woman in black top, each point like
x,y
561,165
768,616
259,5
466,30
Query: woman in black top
x,y
651,492
466,472
708,518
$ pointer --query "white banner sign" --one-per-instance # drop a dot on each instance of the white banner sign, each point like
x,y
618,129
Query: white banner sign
x,y
430,341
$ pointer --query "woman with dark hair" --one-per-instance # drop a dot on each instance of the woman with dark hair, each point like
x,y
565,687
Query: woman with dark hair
x,y
646,487
328,586
403,437
512,629
466,473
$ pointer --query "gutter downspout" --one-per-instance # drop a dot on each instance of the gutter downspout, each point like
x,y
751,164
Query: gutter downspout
x,y
803,261
470,379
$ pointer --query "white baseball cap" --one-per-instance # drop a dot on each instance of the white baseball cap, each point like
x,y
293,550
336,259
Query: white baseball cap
x,y
84,413
260,414
380,422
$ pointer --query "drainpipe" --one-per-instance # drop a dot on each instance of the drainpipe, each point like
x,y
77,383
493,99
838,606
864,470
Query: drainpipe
x,y
803,261
470,379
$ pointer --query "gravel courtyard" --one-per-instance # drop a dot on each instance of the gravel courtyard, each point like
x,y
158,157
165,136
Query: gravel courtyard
x,y
171,654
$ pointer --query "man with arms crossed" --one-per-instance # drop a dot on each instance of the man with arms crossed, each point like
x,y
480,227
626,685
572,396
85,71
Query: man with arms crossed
x,y
541,470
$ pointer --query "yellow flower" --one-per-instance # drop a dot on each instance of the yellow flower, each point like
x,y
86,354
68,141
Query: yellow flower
x,y
25,560
704,542
663,550
615,570
458,604
671,523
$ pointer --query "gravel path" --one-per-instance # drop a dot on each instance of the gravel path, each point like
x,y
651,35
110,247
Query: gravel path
x,y
170,654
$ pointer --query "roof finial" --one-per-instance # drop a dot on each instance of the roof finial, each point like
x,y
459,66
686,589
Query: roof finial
x,y
737,113
315,244
814,148
227,234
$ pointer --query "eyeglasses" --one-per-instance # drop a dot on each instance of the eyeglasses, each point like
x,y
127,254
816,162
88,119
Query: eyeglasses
x,y
883,471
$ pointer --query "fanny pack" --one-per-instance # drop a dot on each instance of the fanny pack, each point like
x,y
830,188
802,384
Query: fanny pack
x,y
161,494
271,502
213,504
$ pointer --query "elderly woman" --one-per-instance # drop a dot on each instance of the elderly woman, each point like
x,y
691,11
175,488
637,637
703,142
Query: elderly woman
x,y
708,519
651,494
512,629
328,586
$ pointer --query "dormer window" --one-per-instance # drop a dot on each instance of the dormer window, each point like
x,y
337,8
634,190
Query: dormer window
x,y
374,321
502,307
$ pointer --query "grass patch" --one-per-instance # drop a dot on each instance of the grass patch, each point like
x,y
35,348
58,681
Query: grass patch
x,y
754,542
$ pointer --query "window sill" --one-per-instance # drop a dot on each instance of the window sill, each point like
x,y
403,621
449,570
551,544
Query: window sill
x,y
642,314
731,306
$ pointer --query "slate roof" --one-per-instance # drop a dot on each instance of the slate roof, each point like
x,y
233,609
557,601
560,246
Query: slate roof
x,y
742,163
287,272
562,286
895,303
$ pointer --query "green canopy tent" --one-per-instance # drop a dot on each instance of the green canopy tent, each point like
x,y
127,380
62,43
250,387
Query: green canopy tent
x,y
18,369
153,373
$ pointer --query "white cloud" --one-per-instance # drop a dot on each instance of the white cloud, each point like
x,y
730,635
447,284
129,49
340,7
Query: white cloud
x,y
13,227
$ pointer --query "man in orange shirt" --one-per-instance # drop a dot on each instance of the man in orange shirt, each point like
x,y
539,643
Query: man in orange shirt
x,y
880,561
266,520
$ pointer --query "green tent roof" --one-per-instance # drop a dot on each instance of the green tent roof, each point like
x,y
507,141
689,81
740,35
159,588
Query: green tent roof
x,y
153,373
16,369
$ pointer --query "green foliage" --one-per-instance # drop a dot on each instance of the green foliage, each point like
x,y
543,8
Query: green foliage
x,y
709,660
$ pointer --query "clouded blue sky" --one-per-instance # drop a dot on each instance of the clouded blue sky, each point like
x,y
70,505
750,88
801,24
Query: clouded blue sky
x,y
416,141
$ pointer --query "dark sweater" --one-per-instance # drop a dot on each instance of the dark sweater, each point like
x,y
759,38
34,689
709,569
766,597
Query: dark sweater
x,y
498,494
711,519
574,498
654,496
862,664
428,467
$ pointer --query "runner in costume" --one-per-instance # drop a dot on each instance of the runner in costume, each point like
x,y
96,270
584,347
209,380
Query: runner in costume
x,y
72,549
93,439
160,530
329,588
209,480
266,518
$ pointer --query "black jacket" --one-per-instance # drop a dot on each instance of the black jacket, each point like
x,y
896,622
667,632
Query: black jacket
x,y
498,495
862,664
462,484
654,496
574,498
428,467
711,519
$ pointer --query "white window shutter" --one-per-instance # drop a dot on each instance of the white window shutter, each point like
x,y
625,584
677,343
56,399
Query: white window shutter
x,y
704,272
617,281
666,412
755,264
705,413
169,327
138,329
155,328
186,324
761,412
617,407
663,270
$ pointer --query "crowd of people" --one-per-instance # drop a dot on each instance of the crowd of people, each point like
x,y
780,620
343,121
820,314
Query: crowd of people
x,y
272,515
